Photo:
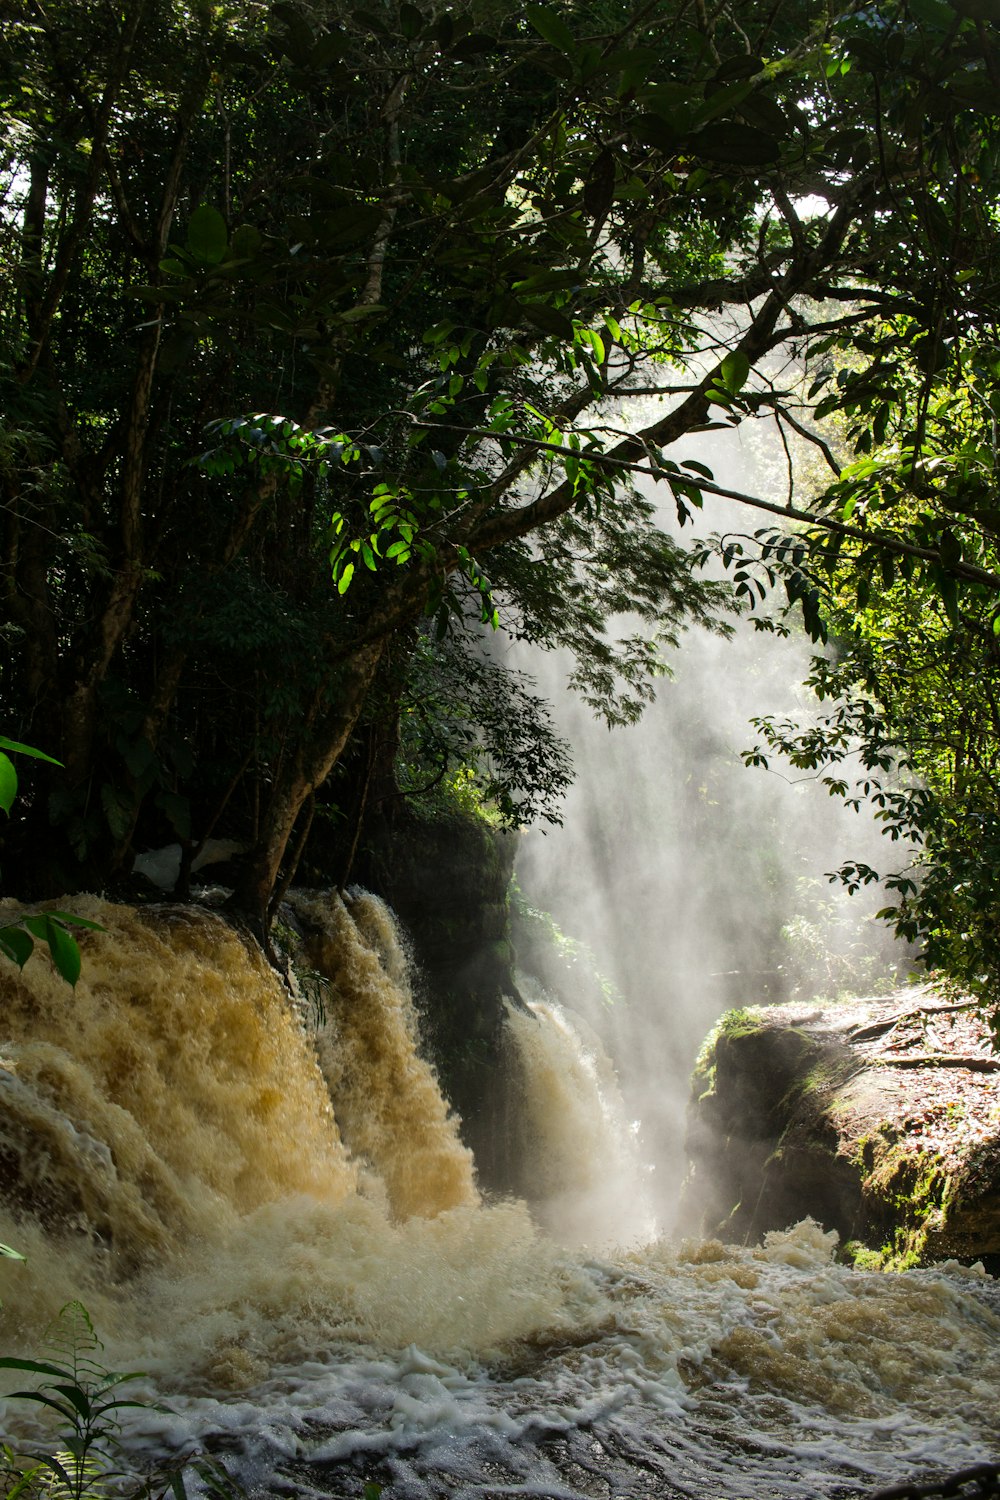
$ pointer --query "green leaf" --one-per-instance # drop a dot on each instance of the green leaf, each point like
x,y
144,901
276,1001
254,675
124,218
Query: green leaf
x,y
246,242
121,1377
139,757
26,1484
15,745
32,1367
9,1254
65,953
549,320
740,66
548,281
77,1397
362,310
651,130
68,1484
411,21
8,783
66,1412
596,343
16,944
735,369
743,145
552,27
207,236
977,10
344,581
118,810
75,921
176,1485
948,589
932,13
697,468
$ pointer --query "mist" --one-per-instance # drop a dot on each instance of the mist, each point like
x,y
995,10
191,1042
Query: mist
x,y
682,883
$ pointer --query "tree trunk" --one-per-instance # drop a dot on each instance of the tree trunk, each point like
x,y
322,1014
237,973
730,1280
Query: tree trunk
x,y
321,746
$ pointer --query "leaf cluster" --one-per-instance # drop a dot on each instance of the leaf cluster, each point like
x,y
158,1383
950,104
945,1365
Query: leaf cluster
x,y
86,1397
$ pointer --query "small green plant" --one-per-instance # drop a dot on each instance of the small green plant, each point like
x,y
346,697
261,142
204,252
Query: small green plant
x,y
312,986
86,1397
17,939
87,1462
860,1256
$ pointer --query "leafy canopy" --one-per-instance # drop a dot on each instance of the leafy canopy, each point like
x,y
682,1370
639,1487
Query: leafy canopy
x,y
331,337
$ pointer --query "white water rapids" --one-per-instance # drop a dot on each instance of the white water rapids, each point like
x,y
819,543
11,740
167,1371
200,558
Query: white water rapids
x,y
278,1222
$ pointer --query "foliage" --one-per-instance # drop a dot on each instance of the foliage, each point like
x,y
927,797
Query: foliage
x,y
322,324
17,939
473,727
908,690
538,939
86,1398
911,709
8,774
832,951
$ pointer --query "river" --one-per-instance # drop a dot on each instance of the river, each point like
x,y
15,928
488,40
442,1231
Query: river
x,y
266,1206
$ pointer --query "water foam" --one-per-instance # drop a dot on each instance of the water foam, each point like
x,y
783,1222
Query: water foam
x,y
315,1286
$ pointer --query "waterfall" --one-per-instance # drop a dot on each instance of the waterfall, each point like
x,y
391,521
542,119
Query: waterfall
x,y
223,1185
581,1168
266,1206
386,1098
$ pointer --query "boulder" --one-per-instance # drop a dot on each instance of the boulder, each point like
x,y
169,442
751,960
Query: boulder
x,y
879,1118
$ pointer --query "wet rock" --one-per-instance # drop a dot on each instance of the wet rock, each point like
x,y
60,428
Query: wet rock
x,y
879,1118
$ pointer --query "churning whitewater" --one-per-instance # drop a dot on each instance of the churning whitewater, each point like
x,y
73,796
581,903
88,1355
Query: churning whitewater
x,y
264,1202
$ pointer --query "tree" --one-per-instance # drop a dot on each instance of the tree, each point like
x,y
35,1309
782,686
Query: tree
x,y
296,292
909,692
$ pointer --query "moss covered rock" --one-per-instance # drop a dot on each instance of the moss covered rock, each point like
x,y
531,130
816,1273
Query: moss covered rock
x,y
878,1118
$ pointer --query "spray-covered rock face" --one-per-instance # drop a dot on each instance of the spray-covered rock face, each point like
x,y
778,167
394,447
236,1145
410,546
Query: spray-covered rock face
x,y
268,1208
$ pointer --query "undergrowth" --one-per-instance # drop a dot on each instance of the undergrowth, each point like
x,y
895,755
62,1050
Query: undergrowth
x,y
89,1460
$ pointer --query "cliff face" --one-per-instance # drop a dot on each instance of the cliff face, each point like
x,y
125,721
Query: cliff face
x,y
878,1118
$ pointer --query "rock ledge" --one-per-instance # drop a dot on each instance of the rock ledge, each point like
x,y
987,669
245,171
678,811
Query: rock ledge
x,y
879,1118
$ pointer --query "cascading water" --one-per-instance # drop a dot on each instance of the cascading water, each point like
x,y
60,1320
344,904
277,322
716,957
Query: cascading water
x,y
581,1169
386,1099
282,1228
